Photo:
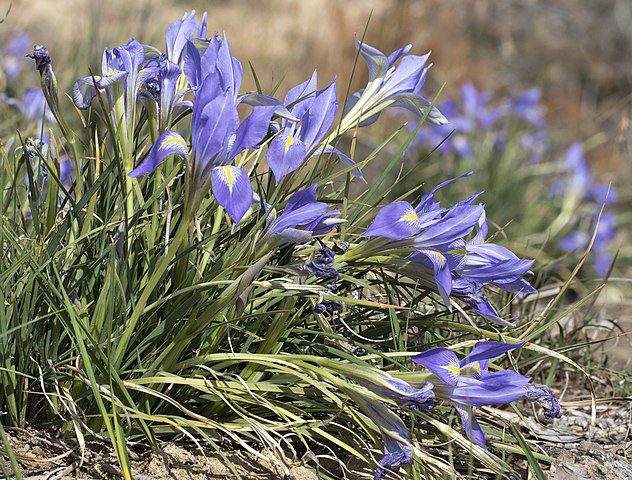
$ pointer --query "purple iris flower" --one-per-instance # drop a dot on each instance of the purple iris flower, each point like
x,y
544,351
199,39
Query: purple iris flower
x,y
32,106
217,137
391,84
606,233
12,55
526,106
120,65
313,112
579,183
467,383
426,232
436,238
302,217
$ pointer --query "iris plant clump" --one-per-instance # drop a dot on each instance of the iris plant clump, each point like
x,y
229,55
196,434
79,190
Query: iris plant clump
x,y
198,263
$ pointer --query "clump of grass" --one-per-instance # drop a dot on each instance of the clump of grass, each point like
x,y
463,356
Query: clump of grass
x,y
134,307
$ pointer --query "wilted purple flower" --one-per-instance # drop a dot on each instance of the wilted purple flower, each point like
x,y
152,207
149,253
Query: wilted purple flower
x,y
397,445
468,383
41,56
322,265
302,217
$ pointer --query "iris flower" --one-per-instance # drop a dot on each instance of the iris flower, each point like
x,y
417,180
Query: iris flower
x,y
119,66
468,383
579,184
12,54
32,106
314,111
391,84
217,137
436,239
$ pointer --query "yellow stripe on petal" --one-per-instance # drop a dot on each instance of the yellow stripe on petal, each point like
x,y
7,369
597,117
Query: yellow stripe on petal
x,y
288,143
453,368
458,252
470,370
411,217
228,177
172,140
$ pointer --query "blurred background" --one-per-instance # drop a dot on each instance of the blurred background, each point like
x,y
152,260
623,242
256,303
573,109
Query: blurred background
x,y
578,53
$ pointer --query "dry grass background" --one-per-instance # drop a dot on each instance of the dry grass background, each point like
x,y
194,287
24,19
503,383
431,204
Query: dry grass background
x,y
579,52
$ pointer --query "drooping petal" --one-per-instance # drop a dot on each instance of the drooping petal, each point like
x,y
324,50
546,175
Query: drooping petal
x,y
261,100
232,190
519,286
285,154
442,362
471,425
441,269
83,91
419,106
325,223
485,309
295,235
395,221
168,143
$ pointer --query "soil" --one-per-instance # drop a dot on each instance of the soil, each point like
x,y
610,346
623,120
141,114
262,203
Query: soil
x,y
582,450
44,457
